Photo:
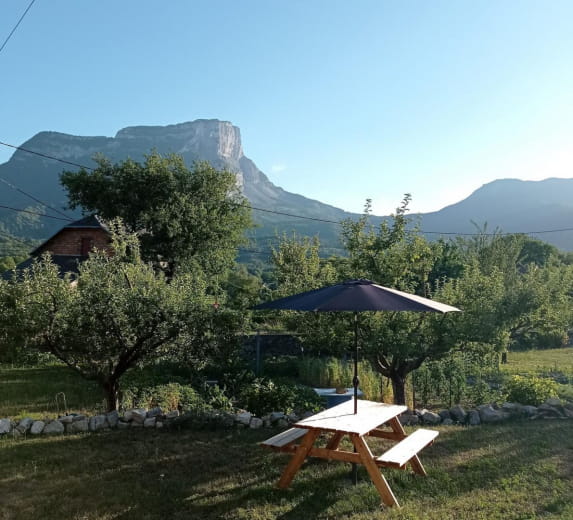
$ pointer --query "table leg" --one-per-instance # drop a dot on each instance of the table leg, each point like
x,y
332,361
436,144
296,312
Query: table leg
x,y
377,477
298,458
335,441
415,462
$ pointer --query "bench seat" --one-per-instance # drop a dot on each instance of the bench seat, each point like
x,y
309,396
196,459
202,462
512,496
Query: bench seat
x,y
283,440
400,454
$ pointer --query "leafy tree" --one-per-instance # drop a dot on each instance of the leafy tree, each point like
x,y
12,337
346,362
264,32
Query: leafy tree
x,y
117,314
298,267
184,217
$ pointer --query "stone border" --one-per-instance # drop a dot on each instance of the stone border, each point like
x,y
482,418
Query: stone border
x,y
156,418
140,418
490,413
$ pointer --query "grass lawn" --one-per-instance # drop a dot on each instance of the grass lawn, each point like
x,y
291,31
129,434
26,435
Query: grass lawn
x,y
557,359
518,470
31,392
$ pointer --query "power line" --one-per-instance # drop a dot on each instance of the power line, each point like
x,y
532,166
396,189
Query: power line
x,y
47,156
33,198
35,213
315,219
16,26
12,237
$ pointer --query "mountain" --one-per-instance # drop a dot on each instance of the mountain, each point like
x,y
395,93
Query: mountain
x,y
509,204
218,142
513,206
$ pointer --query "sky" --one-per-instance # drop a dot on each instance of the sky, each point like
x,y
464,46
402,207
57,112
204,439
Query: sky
x,y
338,101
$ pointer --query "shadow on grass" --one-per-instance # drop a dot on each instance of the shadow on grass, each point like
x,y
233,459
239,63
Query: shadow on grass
x,y
225,474
33,391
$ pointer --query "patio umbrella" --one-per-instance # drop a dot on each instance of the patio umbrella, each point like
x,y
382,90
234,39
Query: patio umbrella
x,y
356,296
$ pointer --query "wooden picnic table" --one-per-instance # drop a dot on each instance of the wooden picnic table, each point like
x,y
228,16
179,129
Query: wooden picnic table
x,y
340,421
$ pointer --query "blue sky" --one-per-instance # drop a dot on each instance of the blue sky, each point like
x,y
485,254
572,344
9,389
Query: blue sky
x,y
339,101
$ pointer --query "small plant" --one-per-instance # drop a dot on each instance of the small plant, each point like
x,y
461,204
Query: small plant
x,y
263,396
530,390
172,396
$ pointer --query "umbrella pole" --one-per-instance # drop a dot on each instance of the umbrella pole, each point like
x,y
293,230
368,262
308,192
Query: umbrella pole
x,y
355,380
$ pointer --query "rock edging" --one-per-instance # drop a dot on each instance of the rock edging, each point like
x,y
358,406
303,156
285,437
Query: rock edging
x,y
489,413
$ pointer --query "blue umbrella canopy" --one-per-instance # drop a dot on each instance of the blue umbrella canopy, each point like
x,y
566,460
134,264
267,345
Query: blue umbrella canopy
x,y
356,296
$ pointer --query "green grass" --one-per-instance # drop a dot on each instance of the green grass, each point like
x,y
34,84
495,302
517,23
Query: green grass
x,y
537,361
518,470
31,392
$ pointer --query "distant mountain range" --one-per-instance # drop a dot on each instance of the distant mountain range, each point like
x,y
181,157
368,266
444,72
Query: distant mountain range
x,y
508,204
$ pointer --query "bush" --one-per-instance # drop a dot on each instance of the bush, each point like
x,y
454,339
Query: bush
x,y
333,372
263,396
171,396
530,390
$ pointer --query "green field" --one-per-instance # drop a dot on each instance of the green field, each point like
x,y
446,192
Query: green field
x,y
31,392
518,470
540,361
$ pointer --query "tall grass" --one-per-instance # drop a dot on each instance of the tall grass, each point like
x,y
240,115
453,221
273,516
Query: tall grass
x,y
333,372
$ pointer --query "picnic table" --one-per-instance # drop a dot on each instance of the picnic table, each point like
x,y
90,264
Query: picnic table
x,y
340,421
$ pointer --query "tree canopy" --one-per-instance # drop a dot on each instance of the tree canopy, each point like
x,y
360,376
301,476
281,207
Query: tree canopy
x,y
118,313
184,217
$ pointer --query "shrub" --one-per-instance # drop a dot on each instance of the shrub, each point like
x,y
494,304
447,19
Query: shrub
x,y
263,396
332,372
171,396
530,390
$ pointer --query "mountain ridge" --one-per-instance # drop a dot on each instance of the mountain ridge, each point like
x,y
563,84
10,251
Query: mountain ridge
x,y
512,205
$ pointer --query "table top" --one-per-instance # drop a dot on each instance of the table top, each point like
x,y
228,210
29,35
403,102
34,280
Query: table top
x,y
341,418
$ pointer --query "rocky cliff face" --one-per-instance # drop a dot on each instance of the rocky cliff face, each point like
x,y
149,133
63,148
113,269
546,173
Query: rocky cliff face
x,y
218,142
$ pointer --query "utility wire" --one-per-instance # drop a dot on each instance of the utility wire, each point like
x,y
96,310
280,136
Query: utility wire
x,y
35,213
16,26
34,198
16,239
338,222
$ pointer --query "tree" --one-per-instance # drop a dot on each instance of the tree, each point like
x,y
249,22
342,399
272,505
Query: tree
x,y
117,314
184,217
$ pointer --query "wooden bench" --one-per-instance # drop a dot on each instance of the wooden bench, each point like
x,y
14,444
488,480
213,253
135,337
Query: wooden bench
x,y
284,441
400,454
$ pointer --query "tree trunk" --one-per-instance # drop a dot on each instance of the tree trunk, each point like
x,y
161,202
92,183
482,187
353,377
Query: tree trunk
x,y
398,388
111,389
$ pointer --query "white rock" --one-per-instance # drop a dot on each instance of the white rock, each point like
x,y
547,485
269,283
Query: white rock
x,y
112,418
159,424
5,426
25,424
431,418
458,414
473,418
79,417
53,428
256,423
80,426
154,412
97,422
553,401
488,414
139,415
66,419
275,416
172,414
244,418
37,427
149,422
